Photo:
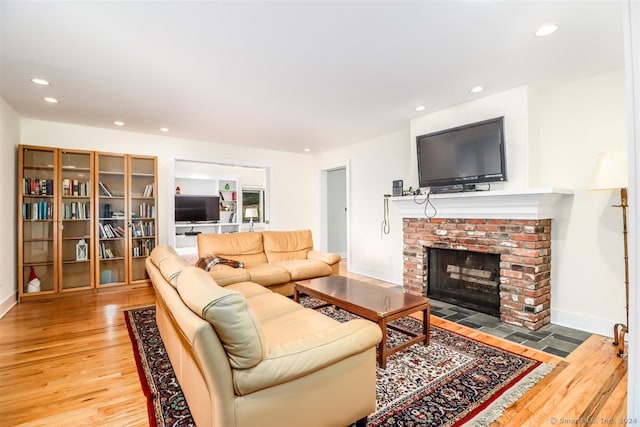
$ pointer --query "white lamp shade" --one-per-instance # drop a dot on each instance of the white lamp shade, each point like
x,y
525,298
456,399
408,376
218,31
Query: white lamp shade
x,y
611,171
251,213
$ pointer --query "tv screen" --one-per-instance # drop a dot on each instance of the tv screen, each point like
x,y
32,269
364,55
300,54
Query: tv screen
x,y
197,208
468,154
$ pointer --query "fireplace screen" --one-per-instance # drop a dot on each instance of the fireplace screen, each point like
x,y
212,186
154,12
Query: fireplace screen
x,y
464,278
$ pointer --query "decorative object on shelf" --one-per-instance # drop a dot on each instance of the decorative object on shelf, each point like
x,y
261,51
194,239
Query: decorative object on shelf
x,y
34,283
82,251
611,173
178,190
251,213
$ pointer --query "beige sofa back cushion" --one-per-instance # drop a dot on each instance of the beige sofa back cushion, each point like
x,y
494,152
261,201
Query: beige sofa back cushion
x,y
161,252
171,267
245,247
169,263
226,310
287,245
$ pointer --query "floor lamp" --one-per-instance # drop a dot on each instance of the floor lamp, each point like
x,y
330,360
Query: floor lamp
x,y
611,174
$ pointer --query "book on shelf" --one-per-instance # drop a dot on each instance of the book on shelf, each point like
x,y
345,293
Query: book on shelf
x,y
101,231
37,186
148,191
105,189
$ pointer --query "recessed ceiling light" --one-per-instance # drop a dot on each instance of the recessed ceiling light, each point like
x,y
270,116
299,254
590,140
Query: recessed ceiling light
x,y
476,89
164,129
307,150
420,108
118,123
546,29
50,100
41,82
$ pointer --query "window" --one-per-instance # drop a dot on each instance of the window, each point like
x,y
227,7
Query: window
x,y
253,197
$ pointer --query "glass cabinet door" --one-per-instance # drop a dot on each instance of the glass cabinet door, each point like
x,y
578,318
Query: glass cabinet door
x,y
142,191
75,190
37,231
111,225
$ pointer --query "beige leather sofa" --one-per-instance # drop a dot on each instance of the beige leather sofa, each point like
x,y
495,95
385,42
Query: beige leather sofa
x,y
246,357
274,259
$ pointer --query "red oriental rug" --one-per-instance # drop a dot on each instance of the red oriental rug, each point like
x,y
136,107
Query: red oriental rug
x,y
455,381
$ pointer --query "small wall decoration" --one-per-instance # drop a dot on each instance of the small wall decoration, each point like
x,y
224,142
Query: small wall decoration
x,y
82,251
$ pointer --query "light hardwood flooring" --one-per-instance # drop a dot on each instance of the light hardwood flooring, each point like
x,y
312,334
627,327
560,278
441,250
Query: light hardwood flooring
x,y
69,361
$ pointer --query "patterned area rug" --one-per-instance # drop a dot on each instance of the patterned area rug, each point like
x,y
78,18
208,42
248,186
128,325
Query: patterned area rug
x,y
455,381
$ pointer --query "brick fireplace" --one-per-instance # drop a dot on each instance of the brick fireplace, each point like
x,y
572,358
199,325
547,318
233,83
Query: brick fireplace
x,y
524,247
514,225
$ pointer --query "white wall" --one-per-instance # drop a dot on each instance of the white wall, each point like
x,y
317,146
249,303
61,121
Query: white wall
x,y
292,176
632,54
373,165
9,137
553,138
577,121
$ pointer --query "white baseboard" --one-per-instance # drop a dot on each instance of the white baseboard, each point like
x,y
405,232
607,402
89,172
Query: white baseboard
x,y
8,303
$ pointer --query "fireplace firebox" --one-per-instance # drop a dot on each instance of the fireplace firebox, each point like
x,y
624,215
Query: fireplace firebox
x,y
465,278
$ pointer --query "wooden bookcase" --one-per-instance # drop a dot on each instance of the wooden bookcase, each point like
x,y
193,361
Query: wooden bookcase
x,y
126,190
62,214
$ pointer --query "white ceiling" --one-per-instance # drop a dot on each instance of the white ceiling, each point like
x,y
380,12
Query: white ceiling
x,y
289,74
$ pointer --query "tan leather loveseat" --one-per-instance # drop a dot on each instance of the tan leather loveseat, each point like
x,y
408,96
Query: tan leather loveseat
x,y
246,357
274,259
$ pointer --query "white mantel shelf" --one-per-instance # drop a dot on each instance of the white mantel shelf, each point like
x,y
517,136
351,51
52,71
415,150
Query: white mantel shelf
x,y
497,204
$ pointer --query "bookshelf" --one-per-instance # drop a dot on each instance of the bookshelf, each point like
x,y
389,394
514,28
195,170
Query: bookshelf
x,y
76,220
142,215
37,231
126,208
85,220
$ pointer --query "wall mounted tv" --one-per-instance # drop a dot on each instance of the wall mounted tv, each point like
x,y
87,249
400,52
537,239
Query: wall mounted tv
x,y
190,208
464,155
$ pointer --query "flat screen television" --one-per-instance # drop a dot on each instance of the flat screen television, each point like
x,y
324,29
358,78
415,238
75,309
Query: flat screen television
x,y
469,154
190,208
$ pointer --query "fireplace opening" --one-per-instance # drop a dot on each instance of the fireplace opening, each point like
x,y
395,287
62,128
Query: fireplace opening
x,y
464,278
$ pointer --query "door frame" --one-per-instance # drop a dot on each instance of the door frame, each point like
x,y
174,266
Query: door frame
x,y
324,226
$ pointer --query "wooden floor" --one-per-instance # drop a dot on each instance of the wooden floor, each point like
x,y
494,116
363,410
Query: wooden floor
x,y
69,362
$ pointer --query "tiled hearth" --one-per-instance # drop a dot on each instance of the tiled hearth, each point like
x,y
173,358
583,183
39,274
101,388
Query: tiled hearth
x,y
524,247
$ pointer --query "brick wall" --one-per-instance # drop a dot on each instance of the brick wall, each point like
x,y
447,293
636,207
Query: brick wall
x,y
525,260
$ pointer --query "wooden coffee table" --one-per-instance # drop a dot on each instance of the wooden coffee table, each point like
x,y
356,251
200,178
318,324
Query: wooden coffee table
x,y
376,303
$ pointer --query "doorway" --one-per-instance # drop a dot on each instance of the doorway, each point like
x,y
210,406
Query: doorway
x,y
336,211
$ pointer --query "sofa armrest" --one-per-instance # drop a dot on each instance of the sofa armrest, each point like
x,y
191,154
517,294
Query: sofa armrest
x,y
304,356
326,257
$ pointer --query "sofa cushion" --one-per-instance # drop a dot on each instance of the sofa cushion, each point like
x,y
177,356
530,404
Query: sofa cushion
x,y
268,274
170,267
160,253
287,245
245,247
302,269
267,307
227,311
301,343
225,275
249,289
